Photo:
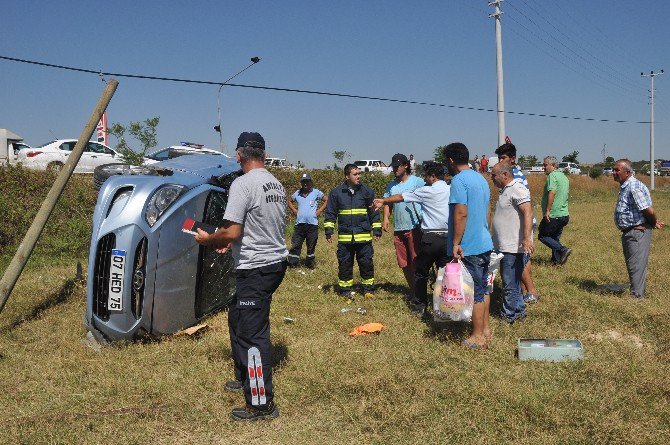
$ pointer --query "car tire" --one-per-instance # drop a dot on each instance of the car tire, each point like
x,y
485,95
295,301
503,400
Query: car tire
x,y
55,167
106,171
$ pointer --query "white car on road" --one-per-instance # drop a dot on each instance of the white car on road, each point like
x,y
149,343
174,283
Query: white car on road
x,y
570,168
373,165
53,155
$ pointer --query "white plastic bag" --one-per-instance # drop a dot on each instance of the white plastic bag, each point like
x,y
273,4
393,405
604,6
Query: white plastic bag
x,y
494,267
454,292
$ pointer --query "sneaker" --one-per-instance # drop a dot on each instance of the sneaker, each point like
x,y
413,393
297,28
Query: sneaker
x,y
531,298
564,256
249,413
234,386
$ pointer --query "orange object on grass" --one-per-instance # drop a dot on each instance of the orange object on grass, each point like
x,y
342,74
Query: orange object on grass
x,y
369,328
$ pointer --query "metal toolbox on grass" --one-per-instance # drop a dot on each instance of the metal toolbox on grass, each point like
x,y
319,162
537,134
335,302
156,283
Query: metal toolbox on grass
x,y
551,350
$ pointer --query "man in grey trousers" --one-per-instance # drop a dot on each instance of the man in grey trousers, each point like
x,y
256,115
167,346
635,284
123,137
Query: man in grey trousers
x,y
635,217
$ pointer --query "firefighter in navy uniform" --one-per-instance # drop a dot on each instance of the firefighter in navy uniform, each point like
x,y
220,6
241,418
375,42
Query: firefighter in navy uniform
x,y
357,223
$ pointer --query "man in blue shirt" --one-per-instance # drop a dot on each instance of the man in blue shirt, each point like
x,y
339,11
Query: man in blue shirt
x,y
507,155
307,220
406,217
469,238
434,199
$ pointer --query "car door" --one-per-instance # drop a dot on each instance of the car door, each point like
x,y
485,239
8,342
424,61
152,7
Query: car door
x,y
94,155
103,155
63,152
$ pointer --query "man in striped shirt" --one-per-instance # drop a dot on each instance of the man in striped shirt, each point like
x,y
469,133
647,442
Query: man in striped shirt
x,y
635,217
507,155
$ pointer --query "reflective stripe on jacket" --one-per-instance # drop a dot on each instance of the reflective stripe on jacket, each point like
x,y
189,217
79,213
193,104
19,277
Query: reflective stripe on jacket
x,y
356,221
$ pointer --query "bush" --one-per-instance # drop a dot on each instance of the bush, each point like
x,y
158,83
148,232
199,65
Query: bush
x,y
595,173
68,230
326,180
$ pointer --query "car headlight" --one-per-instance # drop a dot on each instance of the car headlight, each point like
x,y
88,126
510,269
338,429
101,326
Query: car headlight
x,y
160,201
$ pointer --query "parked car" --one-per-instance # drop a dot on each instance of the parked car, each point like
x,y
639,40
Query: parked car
x,y
276,163
186,148
53,155
607,171
145,276
373,165
570,168
536,169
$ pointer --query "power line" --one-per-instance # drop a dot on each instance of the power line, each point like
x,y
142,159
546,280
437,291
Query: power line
x,y
621,76
320,93
587,64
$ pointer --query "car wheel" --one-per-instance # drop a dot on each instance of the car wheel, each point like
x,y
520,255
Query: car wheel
x,y
55,167
106,171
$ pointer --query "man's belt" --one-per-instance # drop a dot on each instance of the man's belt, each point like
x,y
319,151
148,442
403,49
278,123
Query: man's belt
x,y
639,227
436,231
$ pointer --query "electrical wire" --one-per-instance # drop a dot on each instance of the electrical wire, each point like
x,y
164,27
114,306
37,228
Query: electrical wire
x,y
319,93
609,69
586,64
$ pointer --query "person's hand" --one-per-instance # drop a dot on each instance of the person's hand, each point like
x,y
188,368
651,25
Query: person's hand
x,y
295,211
659,224
458,252
223,249
546,217
385,225
377,238
203,238
527,245
329,239
318,213
377,203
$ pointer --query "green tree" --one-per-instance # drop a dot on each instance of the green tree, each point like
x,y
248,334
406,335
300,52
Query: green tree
x,y
522,161
609,161
571,157
144,132
438,154
531,160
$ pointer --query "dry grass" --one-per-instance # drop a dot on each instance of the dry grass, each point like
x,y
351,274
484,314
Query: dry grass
x,y
413,383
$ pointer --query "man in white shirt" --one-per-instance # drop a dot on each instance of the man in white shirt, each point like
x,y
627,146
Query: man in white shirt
x,y
512,236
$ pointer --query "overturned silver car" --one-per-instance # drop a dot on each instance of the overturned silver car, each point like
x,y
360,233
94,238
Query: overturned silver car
x,y
145,276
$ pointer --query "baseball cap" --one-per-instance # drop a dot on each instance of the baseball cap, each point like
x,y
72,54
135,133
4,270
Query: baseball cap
x,y
398,159
305,177
249,139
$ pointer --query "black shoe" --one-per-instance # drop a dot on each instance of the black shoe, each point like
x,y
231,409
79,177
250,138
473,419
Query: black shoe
x,y
564,256
234,386
418,310
249,413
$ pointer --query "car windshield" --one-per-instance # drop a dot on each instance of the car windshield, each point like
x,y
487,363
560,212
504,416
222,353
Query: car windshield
x,y
159,155
360,163
562,164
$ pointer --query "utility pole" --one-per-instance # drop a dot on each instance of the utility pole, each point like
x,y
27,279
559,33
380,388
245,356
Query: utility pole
x,y
652,169
499,72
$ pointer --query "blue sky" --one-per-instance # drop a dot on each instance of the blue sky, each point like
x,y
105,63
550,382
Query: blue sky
x,y
570,58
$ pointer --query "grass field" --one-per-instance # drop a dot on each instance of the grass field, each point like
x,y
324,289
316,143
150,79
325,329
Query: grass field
x,y
411,384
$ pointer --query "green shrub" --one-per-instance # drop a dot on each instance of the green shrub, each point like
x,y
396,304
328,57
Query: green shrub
x,y
595,173
68,229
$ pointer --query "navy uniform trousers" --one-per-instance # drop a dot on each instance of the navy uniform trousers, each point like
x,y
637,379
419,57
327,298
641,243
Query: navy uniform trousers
x,y
302,232
345,258
249,325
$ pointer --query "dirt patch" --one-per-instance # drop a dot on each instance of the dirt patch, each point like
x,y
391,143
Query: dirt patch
x,y
630,339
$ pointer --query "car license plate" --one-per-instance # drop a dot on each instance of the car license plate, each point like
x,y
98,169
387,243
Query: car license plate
x,y
116,268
